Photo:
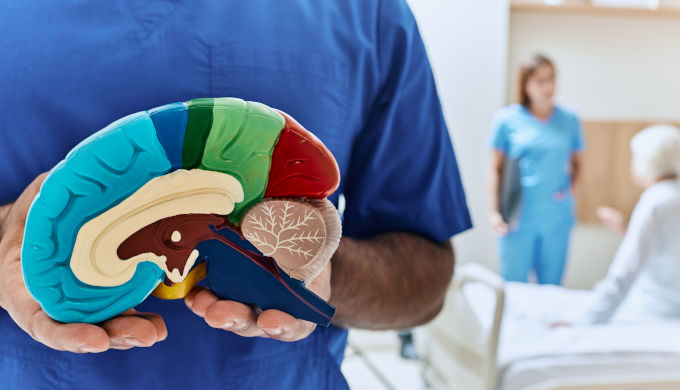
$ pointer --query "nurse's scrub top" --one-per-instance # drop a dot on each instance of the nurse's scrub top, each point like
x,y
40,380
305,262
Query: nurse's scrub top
x,y
353,72
544,150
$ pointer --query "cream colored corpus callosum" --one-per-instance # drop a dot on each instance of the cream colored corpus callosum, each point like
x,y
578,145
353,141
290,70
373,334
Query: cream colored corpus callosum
x,y
95,260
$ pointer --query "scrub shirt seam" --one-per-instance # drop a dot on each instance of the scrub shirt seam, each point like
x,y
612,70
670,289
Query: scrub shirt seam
x,y
221,57
134,14
339,65
303,74
145,32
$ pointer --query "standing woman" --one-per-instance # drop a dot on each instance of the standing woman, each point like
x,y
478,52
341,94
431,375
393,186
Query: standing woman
x,y
542,142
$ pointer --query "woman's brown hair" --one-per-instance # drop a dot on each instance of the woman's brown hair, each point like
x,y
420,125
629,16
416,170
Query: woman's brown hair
x,y
526,70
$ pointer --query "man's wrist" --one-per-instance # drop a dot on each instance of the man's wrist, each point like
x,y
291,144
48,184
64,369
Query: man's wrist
x,y
390,281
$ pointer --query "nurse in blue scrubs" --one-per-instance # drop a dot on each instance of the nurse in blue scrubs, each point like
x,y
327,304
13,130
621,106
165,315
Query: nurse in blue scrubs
x,y
545,140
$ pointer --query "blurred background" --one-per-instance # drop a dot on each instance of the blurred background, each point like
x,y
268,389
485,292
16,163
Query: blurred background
x,y
617,65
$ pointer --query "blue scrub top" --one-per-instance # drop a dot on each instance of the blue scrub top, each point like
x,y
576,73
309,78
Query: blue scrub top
x,y
353,72
544,150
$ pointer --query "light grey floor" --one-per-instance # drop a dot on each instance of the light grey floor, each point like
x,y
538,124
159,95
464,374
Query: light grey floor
x,y
372,362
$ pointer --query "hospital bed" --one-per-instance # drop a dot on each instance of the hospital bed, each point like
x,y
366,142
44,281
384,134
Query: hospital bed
x,y
492,335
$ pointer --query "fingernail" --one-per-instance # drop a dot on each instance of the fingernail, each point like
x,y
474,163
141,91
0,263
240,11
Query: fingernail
x,y
89,349
133,341
189,303
274,331
227,324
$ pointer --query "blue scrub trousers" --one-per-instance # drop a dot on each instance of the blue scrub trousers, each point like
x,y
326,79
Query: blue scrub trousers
x,y
544,252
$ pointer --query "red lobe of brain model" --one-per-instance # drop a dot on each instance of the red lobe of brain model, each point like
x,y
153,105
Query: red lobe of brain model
x,y
301,165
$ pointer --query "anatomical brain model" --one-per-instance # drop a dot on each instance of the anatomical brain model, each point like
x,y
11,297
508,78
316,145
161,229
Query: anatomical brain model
x,y
160,199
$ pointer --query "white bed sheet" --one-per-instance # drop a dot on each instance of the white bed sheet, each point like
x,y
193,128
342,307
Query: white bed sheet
x,y
531,353
622,366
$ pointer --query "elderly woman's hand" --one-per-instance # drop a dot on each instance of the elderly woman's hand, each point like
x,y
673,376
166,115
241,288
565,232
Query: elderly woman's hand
x,y
612,219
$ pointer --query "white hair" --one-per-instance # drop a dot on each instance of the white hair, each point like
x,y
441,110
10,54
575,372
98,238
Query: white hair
x,y
656,152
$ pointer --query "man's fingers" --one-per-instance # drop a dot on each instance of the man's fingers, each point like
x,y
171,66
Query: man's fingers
x,y
158,323
282,326
228,315
233,316
201,301
241,319
130,330
155,319
189,299
67,337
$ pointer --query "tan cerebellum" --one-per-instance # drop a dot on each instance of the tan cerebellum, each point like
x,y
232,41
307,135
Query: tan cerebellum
x,y
301,235
95,261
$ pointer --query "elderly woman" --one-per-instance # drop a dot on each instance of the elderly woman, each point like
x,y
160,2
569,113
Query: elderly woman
x,y
644,278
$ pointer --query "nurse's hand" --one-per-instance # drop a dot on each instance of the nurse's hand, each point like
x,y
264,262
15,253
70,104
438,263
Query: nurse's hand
x,y
244,321
498,225
130,329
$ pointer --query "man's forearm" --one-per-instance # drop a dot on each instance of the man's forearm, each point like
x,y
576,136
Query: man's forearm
x,y
393,281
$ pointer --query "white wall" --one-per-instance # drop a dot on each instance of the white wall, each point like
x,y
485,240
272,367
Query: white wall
x,y
609,67
467,45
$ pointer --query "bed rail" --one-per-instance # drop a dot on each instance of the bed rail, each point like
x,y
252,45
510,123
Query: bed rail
x,y
462,350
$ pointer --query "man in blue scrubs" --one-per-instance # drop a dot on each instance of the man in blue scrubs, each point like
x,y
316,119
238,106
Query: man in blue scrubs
x,y
355,73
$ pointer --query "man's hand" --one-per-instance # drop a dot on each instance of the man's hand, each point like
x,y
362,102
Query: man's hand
x,y
125,331
245,321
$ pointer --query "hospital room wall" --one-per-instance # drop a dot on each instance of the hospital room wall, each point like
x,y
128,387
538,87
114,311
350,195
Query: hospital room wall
x,y
610,68
467,45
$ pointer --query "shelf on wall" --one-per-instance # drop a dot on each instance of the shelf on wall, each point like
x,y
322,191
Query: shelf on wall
x,y
590,9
